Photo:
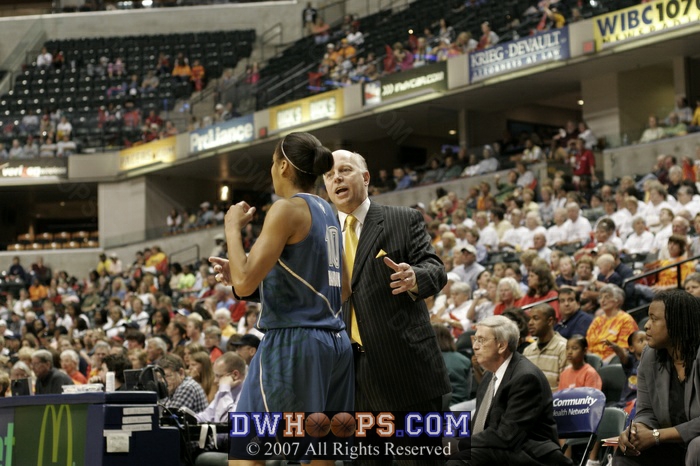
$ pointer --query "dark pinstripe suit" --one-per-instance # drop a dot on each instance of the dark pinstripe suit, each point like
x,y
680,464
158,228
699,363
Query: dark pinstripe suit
x,y
402,362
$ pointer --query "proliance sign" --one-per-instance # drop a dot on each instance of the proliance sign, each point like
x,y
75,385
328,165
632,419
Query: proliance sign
x,y
518,54
432,77
644,19
35,168
235,131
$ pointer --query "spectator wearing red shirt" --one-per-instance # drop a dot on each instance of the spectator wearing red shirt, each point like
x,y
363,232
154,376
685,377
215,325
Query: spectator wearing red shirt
x,y
212,340
541,288
584,162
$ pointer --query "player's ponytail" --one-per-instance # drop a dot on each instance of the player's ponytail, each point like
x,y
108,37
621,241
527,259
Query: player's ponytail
x,y
309,158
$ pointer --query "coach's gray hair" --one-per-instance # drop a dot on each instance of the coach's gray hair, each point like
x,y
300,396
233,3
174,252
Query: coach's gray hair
x,y
504,330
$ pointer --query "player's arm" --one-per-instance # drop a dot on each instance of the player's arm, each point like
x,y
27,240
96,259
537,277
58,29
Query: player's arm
x,y
283,220
346,290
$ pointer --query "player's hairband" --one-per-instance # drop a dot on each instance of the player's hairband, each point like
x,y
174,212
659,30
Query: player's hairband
x,y
292,163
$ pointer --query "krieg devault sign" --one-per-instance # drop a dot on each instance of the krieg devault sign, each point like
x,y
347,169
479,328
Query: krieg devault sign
x,y
426,77
518,54
644,19
35,168
235,131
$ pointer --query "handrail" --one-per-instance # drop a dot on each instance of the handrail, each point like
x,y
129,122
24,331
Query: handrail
x,y
194,246
268,36
527,307
296,71
677,265
289,91
638,309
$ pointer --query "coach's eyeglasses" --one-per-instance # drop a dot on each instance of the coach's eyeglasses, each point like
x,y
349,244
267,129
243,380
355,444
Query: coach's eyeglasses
x,y
481,340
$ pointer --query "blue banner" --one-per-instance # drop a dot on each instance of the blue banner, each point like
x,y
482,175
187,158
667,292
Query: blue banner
x,y
519,54
235,131
578,410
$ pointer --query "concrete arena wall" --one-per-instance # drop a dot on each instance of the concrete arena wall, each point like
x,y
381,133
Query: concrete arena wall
x,y
640,158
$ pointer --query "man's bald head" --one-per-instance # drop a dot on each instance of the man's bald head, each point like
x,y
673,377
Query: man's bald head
x,y
348,182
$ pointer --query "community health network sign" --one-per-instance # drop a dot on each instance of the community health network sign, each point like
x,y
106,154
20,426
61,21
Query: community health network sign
x,y
642,20
235,131
518,54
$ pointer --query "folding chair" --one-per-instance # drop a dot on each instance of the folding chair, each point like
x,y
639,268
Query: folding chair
x,y
578,412
614,381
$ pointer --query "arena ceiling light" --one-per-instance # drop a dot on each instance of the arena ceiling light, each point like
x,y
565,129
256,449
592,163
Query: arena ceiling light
x,y
223,195
147,3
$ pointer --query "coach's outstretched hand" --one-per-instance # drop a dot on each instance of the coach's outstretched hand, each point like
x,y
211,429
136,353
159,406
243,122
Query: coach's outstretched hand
x,y
404,279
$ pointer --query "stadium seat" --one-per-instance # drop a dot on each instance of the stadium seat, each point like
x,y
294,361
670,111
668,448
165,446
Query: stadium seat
x,y
594,360
80,236
44,238
62,237
614,381
611,425
25,238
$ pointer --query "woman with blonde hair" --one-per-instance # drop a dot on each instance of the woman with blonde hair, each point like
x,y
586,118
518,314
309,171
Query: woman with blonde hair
x,y
508,294
200,369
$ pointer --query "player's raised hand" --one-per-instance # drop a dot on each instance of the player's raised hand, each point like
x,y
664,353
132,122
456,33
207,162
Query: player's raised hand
x,y
222,270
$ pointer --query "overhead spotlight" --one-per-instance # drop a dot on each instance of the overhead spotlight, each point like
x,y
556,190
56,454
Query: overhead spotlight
x,y
224,193
453,132
593,3
147,3
580,102
410,31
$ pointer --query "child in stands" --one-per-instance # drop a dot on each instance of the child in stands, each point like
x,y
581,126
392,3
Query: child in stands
x,y
629,358
579,374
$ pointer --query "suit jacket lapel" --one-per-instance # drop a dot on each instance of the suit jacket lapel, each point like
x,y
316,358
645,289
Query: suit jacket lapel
x,y
372,227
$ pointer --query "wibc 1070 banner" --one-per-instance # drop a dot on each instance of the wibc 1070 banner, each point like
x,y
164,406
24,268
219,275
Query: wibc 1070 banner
x,y
644,19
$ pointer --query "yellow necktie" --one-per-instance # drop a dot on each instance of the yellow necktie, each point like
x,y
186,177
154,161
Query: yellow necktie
x,y
350,241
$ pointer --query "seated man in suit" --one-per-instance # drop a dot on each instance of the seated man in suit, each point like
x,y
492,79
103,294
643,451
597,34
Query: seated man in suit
x,y
514,422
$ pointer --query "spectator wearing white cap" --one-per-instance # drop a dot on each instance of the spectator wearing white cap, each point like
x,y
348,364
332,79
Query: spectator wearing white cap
x,y
206,217
466,265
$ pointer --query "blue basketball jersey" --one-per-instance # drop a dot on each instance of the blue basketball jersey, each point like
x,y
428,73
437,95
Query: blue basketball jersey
x,y
303,289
